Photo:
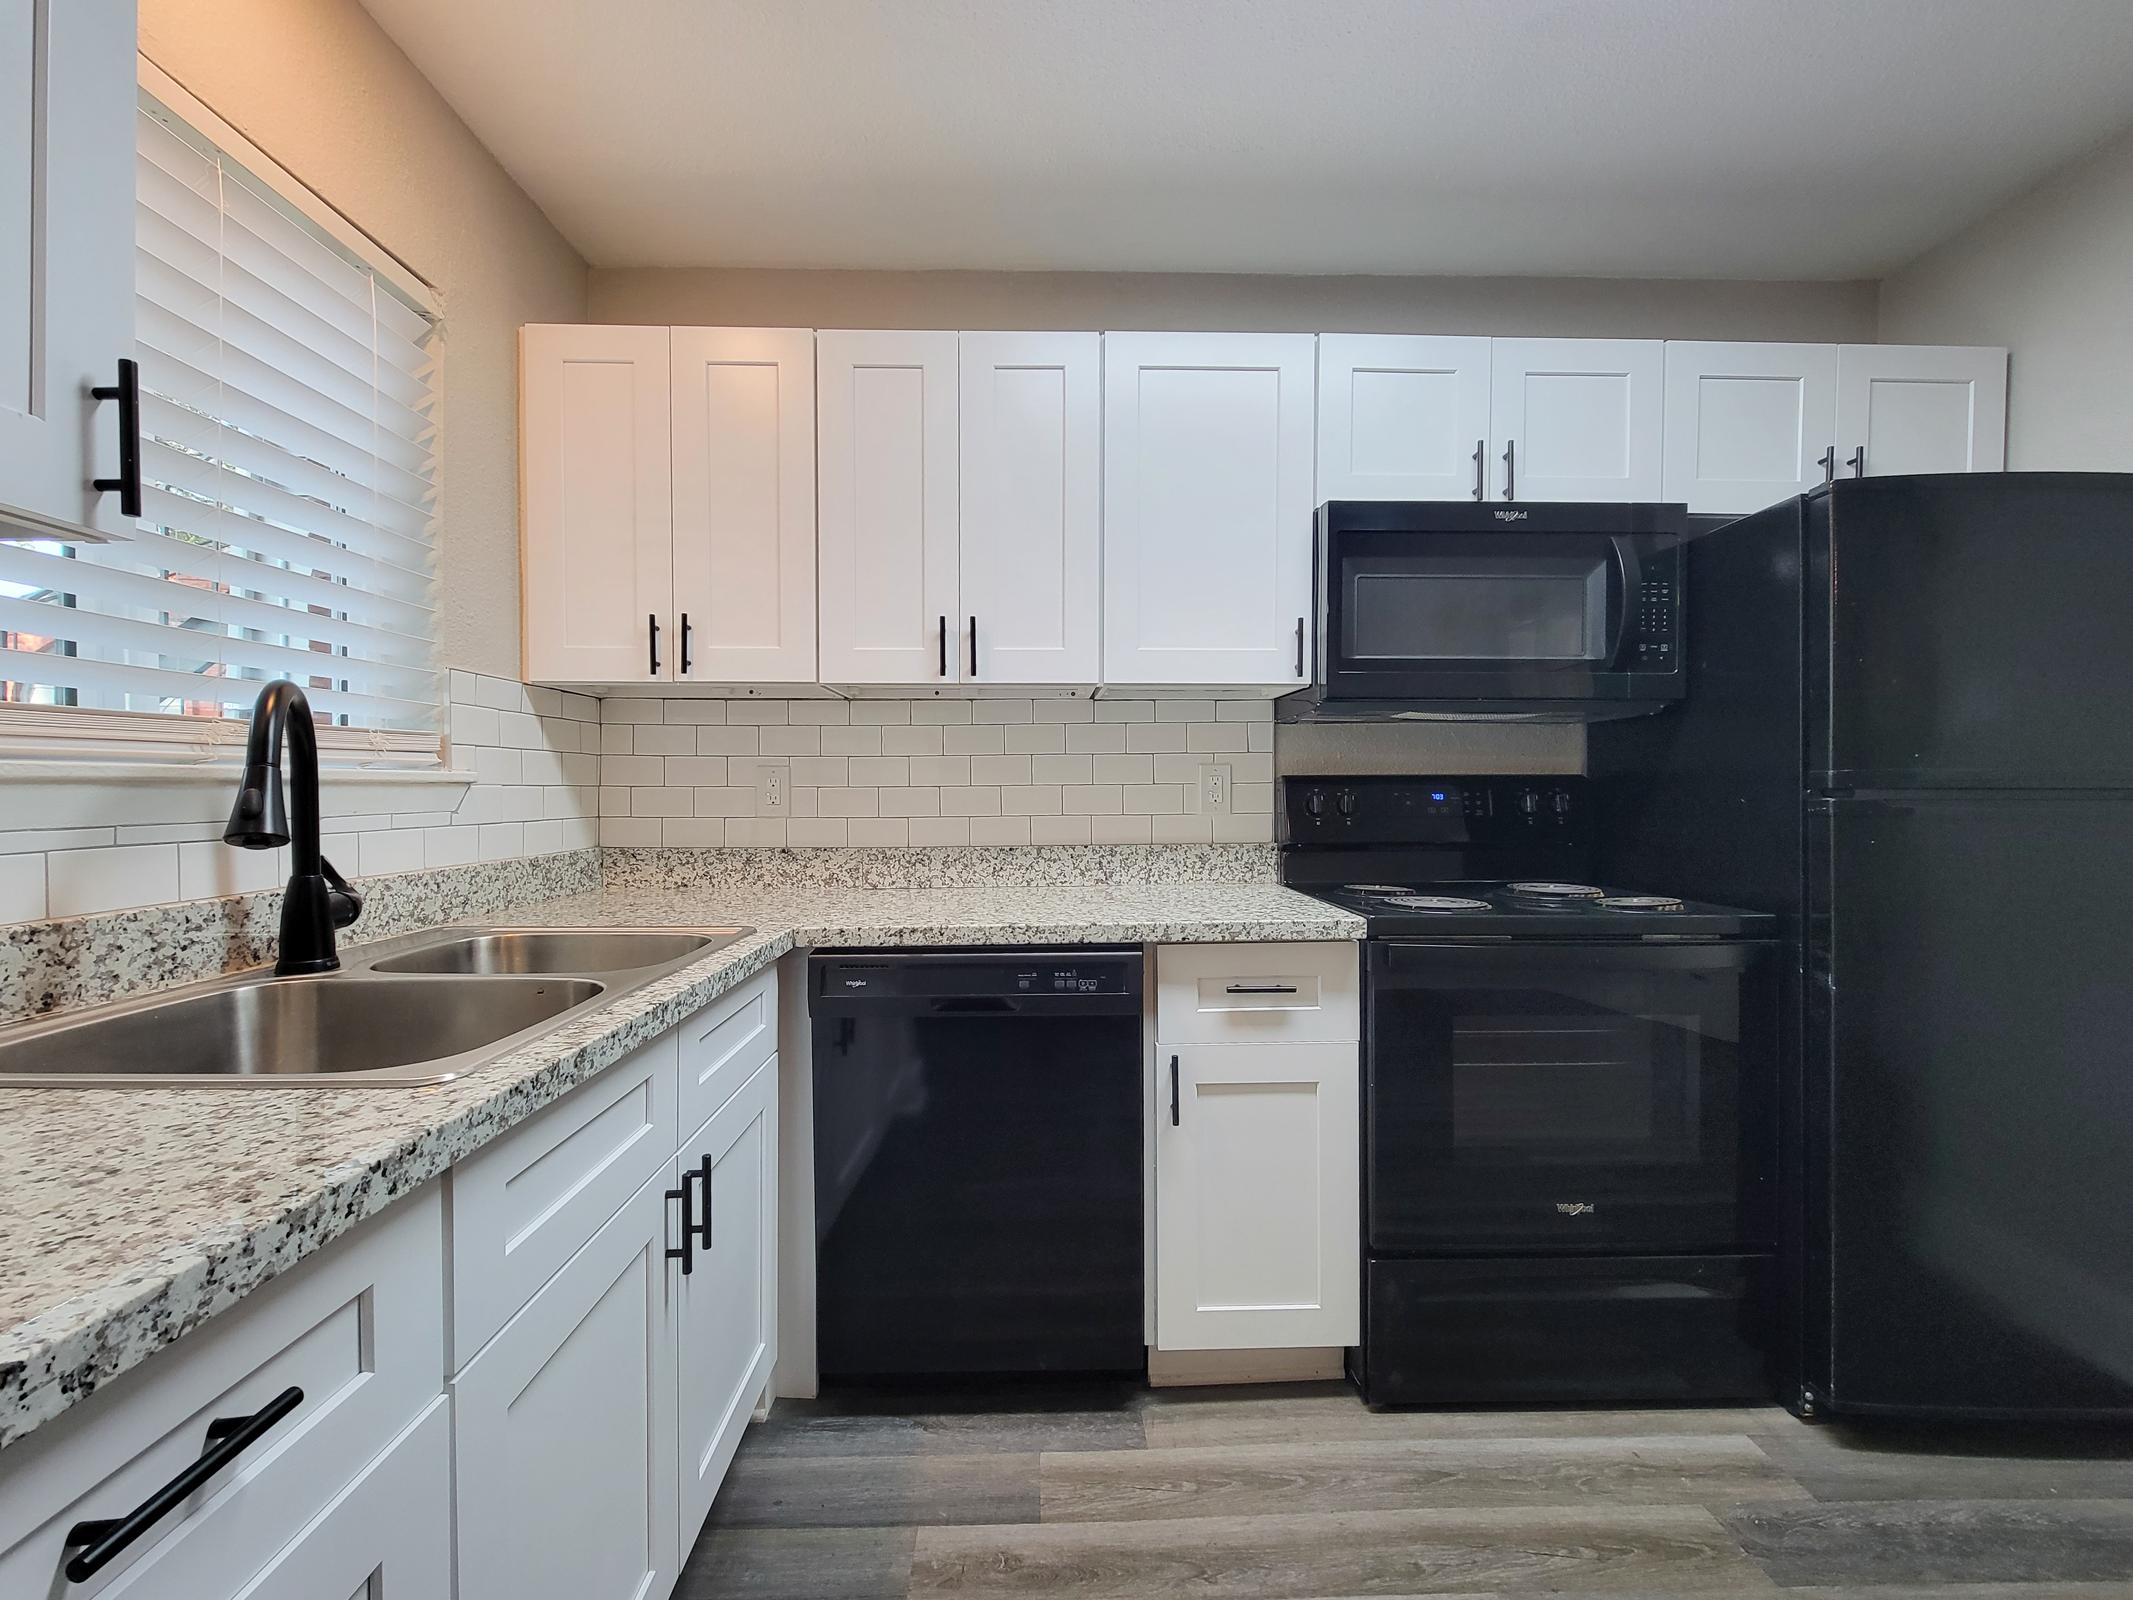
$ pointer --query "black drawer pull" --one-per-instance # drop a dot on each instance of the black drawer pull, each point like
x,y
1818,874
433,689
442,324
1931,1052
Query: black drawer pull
x,y
651,634
228,1438
1262,988
686,1252
1173,1091
127,392
702,1174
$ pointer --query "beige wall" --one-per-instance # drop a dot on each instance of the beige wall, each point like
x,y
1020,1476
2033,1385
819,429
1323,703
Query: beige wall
x,y
1564,307
2051,277
317,86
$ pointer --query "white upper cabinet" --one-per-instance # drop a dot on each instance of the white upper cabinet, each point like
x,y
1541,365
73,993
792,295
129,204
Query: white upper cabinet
x,y
1208,500
744,504
1576,419
1032,467
1748,425
1905,408
1402,417
888,502
67,121
597,516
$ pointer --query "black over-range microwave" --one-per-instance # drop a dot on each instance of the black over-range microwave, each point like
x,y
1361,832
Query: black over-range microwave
x,y
1444,611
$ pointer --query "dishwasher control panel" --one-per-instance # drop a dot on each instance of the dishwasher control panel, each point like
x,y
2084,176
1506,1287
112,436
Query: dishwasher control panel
x,y
858,978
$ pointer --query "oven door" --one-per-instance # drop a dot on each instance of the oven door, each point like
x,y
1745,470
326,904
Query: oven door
x,y
1556,1097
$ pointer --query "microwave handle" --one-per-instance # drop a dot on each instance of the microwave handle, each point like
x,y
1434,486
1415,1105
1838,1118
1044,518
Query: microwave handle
x,y
1625,574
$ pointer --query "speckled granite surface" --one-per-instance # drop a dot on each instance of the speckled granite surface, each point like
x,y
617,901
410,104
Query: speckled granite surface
x,y
134,1216
958,867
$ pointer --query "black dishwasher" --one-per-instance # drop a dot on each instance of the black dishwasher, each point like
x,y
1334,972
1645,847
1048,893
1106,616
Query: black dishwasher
x,y
978,1162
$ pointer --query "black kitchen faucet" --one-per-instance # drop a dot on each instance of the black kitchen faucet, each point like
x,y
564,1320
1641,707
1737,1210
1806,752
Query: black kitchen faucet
x,y
318,899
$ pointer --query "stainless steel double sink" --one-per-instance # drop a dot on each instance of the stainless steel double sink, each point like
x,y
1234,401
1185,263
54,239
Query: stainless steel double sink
x,y
422,1009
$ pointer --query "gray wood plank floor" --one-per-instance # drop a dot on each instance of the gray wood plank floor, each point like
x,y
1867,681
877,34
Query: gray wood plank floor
x,y
1300,1493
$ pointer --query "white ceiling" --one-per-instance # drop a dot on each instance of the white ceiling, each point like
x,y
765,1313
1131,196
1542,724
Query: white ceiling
x,y
1679,138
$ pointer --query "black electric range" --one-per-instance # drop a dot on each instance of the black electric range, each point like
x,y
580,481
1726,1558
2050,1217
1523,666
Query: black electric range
x,y
1570,1117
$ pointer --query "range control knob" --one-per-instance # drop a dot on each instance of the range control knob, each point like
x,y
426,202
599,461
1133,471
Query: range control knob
x,y
1315,804
1345,800
1529,802
1562,802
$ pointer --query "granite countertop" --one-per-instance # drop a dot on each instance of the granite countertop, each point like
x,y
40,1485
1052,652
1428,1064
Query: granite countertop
x,y
132,1216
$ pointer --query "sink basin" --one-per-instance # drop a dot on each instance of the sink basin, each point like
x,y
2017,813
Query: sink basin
x,y
547,951
342,1029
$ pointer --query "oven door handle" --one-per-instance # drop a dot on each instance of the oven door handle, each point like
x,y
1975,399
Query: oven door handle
x,y
1423,964
1625,582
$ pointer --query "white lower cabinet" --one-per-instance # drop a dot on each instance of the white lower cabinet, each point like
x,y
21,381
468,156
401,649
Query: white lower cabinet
x,y
1256,1199
726,1309
565,1428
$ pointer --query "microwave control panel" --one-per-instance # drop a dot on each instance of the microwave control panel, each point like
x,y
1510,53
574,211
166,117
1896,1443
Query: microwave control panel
x,y
1369,810
1652,615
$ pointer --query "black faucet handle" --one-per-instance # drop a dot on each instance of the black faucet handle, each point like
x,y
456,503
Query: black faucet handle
x,y
345,903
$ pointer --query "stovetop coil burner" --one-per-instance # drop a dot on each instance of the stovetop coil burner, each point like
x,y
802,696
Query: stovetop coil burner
x,y
1435,902
1639,902
1555,891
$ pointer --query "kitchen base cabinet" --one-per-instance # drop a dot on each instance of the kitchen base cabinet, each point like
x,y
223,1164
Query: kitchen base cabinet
x,y
1257,1203
726,1310
565,1428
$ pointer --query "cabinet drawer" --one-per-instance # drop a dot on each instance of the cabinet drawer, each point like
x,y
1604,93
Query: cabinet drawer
x,y
526,1204
358,1329
1256,993
723,1044
388,1533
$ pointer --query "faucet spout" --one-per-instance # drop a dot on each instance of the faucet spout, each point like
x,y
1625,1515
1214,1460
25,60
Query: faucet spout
x,y
318,899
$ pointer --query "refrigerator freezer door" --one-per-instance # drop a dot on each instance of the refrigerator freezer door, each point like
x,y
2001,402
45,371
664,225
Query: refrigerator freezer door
x,y
1975,631
1970,1085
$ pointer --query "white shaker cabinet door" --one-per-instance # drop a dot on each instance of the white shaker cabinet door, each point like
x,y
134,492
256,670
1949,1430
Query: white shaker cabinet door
x,y
1032,470
1577,419
67,132
596,516
1748,425
888,507
744,505
1904,408
565,1438
1402,417
1208,500
1257,1215
727,1306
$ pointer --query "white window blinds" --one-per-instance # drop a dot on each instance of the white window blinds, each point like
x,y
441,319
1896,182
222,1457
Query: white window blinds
x,y
287,434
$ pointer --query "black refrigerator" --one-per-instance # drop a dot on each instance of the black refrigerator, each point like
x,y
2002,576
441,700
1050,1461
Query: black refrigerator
x,y
1909,733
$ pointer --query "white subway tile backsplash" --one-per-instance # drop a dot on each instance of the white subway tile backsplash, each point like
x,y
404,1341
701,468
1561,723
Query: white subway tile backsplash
x,y
384,850
628,831
1119,830
940,830
623,709
22,888
695,712
78,882
804,740
719,741
973,741
877,830
695,772
1217,737
1035,738
662,740
695,832
999,830
1155,736
999,769
1063,711
822,713
882,713
758,831
940,769
758,712
814,831
970,802
1058,830
1096,738
845,741
938,713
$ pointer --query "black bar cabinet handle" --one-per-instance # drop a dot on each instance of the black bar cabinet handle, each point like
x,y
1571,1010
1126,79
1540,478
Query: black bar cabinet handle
x,y
228,1438
1481,447
1299,647
1510,469
1857,462
686,1254
1827,461
127,392
651,622
973,648
944,647
686,630
701,1173
1262,988
1173,1091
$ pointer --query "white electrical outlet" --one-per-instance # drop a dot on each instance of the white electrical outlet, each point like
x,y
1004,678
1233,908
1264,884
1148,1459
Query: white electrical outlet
x,y
1214,788
773,788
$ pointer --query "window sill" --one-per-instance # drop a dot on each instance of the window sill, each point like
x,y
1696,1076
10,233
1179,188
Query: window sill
x,y
93,794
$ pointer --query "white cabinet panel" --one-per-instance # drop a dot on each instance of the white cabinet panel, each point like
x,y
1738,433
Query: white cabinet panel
x,y
727,1307
888,505
1257,1214
1032,472
744,504
1920,408
1748,425
566,1444
1207,507
526,1203
1577,419
67,121
1257,993
387,1536
597,504
1402,417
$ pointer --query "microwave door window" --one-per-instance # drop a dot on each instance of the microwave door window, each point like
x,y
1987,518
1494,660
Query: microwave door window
x,y
1453,609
